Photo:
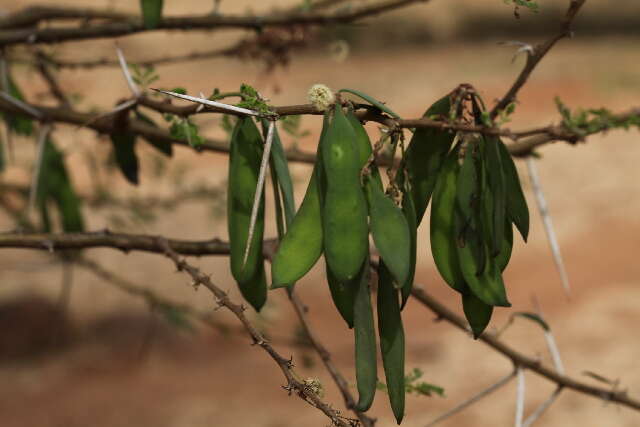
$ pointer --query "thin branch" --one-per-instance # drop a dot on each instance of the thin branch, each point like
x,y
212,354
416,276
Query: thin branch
x,y
473,399
48,76
538,53
133,24
526,362
325,356
548,224
285,365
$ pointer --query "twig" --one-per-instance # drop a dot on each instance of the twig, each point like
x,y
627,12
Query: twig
x,y
548,224
473,399
325,356
551,343
223,300
132,24
533,58
520,394
523,361
50,78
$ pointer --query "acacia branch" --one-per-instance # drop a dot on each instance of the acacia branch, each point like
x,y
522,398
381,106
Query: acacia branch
x,y
523,361
325,356
534,57
286,366
131,24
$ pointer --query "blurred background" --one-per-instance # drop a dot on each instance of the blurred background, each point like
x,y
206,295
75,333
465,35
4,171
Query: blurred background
x,y
98,356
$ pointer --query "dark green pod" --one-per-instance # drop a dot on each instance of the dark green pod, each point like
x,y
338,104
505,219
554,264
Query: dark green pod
x,y
390,233
408,209
517,209
425,155
443,238
344,210
493,163
391,340
365,342
244,165
343,294
254,290
478,313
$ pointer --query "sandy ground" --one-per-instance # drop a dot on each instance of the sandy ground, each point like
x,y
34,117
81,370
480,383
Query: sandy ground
x,y
108,374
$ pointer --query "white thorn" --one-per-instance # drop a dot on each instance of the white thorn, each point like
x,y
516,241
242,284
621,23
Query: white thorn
x,y
216,104
548,224
520,391
259,188
22,105
127,75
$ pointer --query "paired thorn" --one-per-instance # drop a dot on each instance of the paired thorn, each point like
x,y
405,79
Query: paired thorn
x,y
204,101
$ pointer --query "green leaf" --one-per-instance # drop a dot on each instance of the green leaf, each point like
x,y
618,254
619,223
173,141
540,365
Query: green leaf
x,y
165,147
175,316
492,162
408,209
372,101
365,342
54,184
17,123
391,340
125,155
151,12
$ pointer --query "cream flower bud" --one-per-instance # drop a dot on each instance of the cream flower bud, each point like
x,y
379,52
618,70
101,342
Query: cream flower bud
x,y
321,97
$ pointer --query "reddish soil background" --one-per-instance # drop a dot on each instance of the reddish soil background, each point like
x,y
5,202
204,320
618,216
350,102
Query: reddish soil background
x,y
98,363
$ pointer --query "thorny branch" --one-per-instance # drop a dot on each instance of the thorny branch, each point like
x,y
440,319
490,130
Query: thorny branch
x,y
286,365
18,28
160,245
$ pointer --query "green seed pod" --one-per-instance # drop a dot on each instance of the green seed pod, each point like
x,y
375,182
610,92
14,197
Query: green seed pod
x,y
365,342
343,294
302,245
443,239
425,155
254,290
517,209
390,233
391,340
408,209
344,216
478,313
244,165
492,162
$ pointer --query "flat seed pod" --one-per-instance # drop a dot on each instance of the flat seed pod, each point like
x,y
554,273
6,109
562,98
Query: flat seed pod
x,y
365,343
409,212
492,162
281,167
478,313
467,185
517,209
425,155
391,340
390,233
443,238
244,165
343,294
344,211
302,244
124,150
486,282
254,290
502,260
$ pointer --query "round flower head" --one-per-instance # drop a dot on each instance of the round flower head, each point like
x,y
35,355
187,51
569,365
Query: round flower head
x,y
321,97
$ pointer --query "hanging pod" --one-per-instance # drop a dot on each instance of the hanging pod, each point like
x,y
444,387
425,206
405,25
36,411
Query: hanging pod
x,y
443,239
517,209
365,341
392,343
492,163
244,165
424,157
344,210
477,313
390,233
302,244
408,209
